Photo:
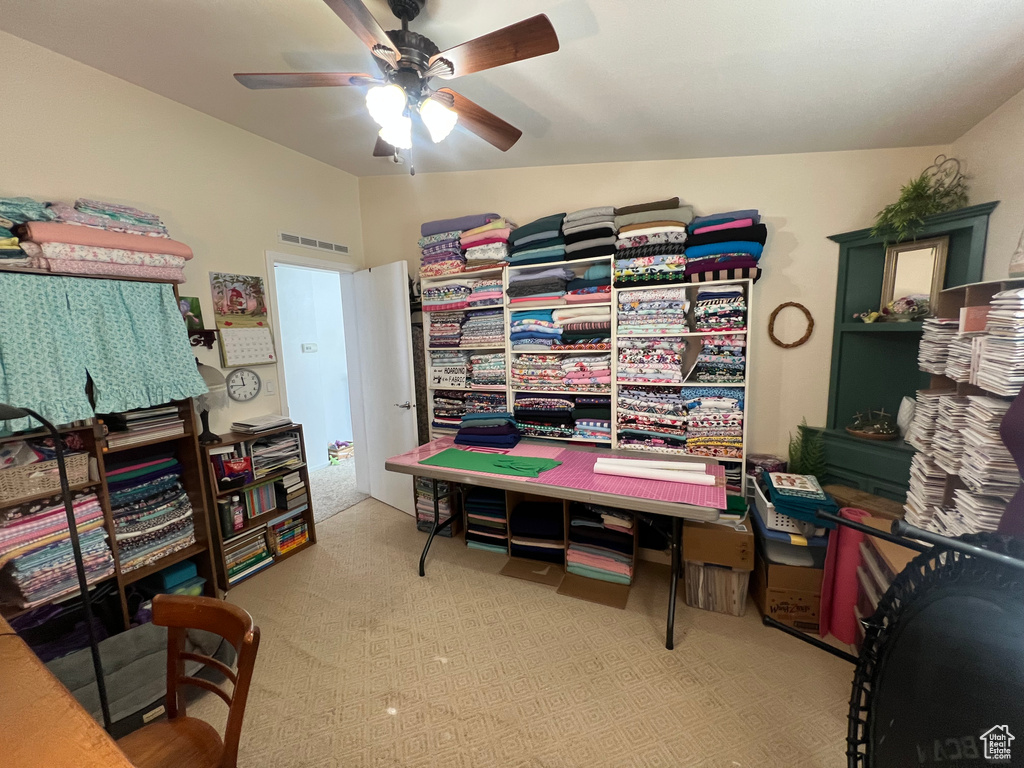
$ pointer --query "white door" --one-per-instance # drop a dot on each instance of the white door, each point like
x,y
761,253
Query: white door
x,y
377,322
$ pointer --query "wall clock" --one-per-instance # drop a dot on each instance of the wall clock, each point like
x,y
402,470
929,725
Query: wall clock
x,y
243,384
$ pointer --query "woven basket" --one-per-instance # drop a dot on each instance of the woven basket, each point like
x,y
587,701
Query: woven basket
x,y
41,477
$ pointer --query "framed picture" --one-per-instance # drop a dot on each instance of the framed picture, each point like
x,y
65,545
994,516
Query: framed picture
x,y
191,312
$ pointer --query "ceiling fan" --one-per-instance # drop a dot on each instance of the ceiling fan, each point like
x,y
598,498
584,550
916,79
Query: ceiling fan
x,y
408,63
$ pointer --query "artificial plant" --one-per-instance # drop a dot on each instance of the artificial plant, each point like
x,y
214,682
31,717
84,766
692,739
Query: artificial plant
x,y
807,451
940,188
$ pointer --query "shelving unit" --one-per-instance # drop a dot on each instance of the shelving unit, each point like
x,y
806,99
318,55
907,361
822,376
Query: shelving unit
x,y
187,452
216,494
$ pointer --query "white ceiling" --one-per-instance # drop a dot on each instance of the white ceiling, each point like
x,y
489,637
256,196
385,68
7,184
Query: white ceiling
x,y
633,80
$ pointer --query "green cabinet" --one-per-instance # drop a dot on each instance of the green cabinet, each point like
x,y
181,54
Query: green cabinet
x,y
874,365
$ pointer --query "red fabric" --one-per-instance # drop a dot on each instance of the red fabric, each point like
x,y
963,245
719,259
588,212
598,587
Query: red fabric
x,y
839,585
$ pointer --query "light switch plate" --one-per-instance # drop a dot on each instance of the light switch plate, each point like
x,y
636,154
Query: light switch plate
x,y
268,387
309,347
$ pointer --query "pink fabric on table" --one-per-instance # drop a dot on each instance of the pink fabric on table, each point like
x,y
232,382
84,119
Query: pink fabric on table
x,y
491,236
54,232
839,584
155,274
727,225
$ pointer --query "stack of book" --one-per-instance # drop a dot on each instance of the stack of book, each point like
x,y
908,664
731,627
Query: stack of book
x,y
288,534
136,427
291,493
260,499
276,453
933,353
246,554
257,424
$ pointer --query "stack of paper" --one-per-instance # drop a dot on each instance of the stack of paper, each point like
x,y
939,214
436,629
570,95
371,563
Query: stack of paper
x,y
939,333
958,363
947,446
929,517
987,467
922,428
1001,363
978,513
927,487
276,453
257,424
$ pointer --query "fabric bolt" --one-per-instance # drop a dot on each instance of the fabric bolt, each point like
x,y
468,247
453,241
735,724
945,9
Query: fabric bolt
x,y
723,218
19,210
56,232
735,224
71,252
681,215
544,224
588,213
756,233
657,237
87,218
460,224
651,227
731,246
656,205
440,237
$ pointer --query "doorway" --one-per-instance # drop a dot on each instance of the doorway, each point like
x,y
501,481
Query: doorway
x,y
315,390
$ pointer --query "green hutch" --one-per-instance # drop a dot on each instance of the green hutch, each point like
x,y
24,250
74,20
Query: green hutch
x,y
874,365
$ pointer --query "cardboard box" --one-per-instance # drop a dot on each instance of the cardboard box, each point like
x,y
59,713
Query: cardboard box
x,y
718,545
789,594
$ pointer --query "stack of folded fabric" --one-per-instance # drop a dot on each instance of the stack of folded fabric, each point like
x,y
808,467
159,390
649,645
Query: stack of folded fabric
x,y
714,423
649,248
533,331
15,211
725,246
722,359
449,408
583,328
152,512
547,416
587,372
538,242
486,402
425,507
486,246
446,295
537,371
594,286
597,430
486,524
652,419
484,328
488,430
800,496
36,550
657,311
601,543
486,293
598,407
651,361
441,243
445,329
589,233
487,370
538,286
537,531
109,216
720,308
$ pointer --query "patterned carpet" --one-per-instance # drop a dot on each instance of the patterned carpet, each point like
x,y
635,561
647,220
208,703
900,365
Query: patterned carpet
x,y
333,489
363,663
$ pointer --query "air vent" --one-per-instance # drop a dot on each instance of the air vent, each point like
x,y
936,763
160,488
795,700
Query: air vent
x,y
312,242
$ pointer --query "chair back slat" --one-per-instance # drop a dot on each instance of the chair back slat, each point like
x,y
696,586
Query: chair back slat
x,y
209,661
199,682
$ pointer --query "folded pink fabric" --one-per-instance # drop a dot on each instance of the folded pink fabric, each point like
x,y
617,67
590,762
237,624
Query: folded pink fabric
x,y
587,298
728,225
53,232
491,236
154,274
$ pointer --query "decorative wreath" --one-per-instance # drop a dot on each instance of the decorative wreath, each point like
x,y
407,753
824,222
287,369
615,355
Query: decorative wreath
x,y
803,339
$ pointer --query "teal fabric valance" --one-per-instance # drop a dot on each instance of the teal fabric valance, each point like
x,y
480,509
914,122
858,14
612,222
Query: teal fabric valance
x,y
56,331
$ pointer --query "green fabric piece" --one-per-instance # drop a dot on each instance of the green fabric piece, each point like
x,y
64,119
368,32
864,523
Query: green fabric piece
x,y
495,463
142,471
736,504
596,573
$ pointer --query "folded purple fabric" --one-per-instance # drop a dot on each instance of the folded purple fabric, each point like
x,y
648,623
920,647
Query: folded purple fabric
x,y
461,224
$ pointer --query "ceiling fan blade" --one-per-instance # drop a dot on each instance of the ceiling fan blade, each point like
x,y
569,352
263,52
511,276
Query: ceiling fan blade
x,y
361,21
262,80
383,149
487,125
529,38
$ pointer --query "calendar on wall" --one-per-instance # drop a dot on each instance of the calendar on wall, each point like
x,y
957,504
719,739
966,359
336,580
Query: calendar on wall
x,y
246,346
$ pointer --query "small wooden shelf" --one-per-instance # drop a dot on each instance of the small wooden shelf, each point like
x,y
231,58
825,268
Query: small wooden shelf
x,y
155,441
255,522
262,481
175,557
49,494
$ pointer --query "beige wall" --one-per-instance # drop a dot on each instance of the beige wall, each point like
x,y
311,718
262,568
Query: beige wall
x,y
70,131
803,198
992,153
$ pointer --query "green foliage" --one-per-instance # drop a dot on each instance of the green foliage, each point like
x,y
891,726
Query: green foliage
x,y
928,194
807,452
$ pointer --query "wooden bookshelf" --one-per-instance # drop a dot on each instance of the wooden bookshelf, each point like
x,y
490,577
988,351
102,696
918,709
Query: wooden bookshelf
x,y
216,494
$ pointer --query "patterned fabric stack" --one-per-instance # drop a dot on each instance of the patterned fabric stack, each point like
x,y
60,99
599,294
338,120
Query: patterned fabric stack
x,y
601,543
652,419
720,308
488,430
486,524
442,254
722,359
714,425
588,373
36,552
446,295
544,416
656,312
486,402
486,246
597,430
537,371
449,408
449,359
483,328
152,513
650,243
486,292
538,286
650,361
538,242
533,331
487,370
425,507
445,329
584,328
13,212
725,246
594,286
589,233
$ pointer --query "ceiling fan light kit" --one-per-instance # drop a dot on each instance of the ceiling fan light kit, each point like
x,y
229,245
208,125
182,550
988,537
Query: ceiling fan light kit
x,y
409,62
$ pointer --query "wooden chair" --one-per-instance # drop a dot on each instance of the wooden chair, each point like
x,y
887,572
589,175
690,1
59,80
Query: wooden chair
x,y
181,741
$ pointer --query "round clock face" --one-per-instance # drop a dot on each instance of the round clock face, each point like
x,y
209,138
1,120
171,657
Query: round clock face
x,y
243,384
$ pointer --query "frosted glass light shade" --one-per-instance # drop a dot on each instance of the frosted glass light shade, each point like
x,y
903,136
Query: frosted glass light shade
x,y
398,133
385,103
438,118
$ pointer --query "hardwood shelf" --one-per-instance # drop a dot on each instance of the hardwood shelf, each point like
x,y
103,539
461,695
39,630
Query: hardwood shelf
x,y
155,441
262,481
175,557
260,519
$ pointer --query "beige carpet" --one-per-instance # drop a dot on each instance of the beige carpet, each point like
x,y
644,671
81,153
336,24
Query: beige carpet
x,y
363,663
333,489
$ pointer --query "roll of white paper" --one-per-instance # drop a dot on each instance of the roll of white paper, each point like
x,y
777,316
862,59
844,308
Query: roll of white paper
x,y
683,466
672,476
